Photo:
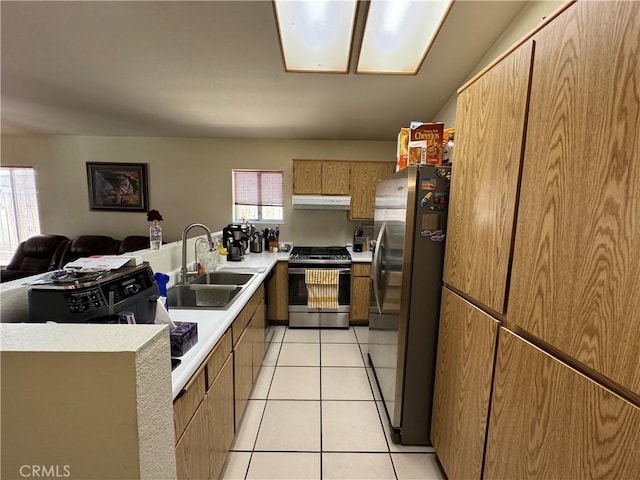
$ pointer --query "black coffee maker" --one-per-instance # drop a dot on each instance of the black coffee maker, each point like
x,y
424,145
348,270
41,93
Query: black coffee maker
x,y
234,239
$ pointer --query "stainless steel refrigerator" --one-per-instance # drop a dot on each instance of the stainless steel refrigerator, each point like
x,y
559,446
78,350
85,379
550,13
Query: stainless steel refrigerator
x,y
406,273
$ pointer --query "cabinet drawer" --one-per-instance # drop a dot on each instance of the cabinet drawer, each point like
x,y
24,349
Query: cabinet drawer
x,y
188,401
218,357
241,321
360,269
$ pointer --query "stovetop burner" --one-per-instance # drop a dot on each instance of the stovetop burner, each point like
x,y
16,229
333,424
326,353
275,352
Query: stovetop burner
x,y
320,253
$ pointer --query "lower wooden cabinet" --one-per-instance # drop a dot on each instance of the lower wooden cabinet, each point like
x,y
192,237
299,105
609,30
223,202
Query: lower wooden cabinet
x,y
549,421
220,420
464,369
360,293
278,294
210,407
257,328
204,417
243,372
192,450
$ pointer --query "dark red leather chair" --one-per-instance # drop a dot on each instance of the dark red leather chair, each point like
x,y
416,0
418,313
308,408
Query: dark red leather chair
x,y
133,243
38,254
87,245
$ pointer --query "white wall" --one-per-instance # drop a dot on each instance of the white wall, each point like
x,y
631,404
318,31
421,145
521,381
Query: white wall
x,y
189,181
532,15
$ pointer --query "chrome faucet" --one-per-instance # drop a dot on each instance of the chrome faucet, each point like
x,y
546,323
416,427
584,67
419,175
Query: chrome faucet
x,y
183,270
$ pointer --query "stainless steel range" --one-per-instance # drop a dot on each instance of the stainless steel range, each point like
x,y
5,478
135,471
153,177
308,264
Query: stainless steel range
x,y
302,259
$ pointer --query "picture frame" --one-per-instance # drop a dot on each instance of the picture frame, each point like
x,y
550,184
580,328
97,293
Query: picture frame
x,y
120,187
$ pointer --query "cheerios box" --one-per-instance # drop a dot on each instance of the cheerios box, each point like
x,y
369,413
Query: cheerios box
x,y
425,143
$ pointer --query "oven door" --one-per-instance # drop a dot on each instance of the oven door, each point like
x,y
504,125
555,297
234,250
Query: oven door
x,y
300,315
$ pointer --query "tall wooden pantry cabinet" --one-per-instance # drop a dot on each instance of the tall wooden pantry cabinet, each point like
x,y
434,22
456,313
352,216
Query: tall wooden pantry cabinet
x,y
564,290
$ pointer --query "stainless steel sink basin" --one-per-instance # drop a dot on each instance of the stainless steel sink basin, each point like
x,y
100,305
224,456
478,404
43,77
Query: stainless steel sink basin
x,y
202,296
223,278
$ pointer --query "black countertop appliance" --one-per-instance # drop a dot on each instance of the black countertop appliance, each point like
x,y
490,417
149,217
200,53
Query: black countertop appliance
x,y
67,296
235,240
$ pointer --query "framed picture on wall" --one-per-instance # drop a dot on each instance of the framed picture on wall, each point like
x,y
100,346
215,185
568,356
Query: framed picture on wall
x,y
118,187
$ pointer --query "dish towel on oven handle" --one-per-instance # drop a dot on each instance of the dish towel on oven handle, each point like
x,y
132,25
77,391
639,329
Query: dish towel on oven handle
x,y
322,287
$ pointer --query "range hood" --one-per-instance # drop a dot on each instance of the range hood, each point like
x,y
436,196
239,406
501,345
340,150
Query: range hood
x,y
322,202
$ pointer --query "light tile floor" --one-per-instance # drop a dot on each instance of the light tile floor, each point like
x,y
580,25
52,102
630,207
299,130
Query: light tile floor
x,y
315,413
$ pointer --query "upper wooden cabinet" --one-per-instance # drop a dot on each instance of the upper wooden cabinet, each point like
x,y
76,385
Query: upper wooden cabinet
x,y
549,421
364,176
358,179
315,177
464,371
576,269
490,123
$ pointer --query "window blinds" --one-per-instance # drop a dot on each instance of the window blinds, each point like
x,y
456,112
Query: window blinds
x,y
257,187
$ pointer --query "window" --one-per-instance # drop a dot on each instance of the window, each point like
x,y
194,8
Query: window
x,y
19,217
257,196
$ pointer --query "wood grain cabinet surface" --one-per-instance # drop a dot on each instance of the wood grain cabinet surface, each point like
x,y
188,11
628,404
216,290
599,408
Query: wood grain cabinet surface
x,y
187,402
360,293
549,421
192,450
490,123
364,176
307,177
278,294
336,178
242,373
576,269
257,328
220,420
464,372
321,177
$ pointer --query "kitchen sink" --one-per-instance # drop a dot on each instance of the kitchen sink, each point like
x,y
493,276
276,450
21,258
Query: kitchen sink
x,y
205,296
223,278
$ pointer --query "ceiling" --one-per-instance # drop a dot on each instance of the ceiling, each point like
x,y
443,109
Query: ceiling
x,y
212,69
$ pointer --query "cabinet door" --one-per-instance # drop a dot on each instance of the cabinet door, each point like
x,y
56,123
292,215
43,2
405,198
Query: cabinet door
x,y
242,372
307,177
336,178
220,418
576,269
549,421
490,122
464,369
364,176
257,327
360,293
188,401
192,460
278,294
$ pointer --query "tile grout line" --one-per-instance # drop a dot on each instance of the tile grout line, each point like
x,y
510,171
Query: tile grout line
x,y
255,441
371,386
321,400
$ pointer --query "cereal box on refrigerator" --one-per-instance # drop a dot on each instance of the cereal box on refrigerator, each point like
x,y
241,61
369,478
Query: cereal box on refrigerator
x,y
425,143
402,149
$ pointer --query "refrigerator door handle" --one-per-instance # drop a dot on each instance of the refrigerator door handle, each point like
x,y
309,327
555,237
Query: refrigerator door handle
x,y
376,267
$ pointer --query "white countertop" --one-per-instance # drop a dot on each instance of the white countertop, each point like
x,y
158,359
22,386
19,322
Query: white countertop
x,y
213,323
360,257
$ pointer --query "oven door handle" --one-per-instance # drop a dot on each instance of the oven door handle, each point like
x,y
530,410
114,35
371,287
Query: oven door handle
x,y
341,271
375,267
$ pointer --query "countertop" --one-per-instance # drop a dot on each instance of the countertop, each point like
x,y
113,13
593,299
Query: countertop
x,y
360,257
213,323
